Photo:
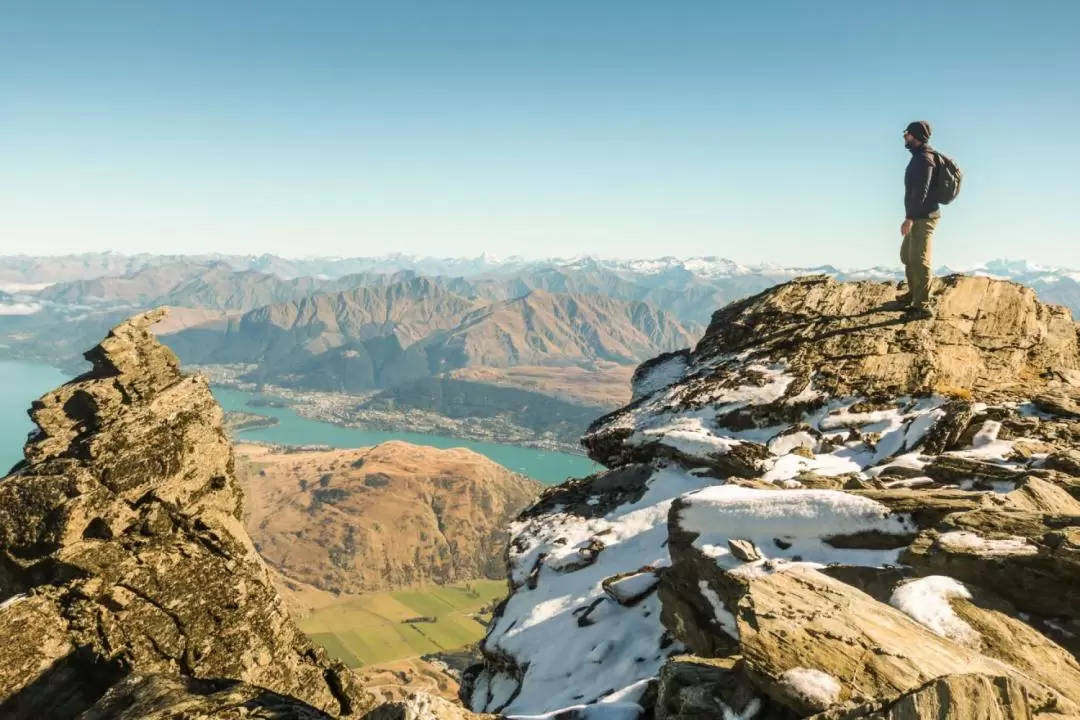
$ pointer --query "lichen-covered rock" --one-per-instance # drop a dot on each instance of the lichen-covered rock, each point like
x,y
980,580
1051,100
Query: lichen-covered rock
x,y
956,697
1038,574
997,631
771,359
122,547
806,634
799,618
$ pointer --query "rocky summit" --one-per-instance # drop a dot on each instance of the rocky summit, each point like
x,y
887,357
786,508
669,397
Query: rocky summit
x,y
128,587
824,509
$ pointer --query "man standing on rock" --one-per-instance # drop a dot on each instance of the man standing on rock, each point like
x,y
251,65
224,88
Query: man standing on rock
x,y
923,213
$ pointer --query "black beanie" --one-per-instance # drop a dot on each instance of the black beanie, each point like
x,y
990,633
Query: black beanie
x,y
920,130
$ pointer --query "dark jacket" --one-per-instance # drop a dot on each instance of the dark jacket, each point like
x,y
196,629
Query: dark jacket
x,y
918,177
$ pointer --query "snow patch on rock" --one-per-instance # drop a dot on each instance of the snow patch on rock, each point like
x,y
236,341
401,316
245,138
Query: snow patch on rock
x,y
967,542
568,619
926,601
720,612
659,376
815,688
801,519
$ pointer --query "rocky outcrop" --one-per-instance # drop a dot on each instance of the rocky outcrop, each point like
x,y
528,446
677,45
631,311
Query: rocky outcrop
x,y
851,515
695,688
123,552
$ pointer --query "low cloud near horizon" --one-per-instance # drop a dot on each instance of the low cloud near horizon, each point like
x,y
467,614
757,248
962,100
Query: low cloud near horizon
x,y
19,309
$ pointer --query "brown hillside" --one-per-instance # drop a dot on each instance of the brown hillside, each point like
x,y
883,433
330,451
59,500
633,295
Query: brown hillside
x,y
541,328
392,516
411,310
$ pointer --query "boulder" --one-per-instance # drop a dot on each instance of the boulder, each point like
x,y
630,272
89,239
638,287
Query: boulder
x,y
844,646
1039,573
999,633
695,688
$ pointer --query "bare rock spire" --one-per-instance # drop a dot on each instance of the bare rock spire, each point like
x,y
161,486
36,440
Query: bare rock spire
x,y
122,551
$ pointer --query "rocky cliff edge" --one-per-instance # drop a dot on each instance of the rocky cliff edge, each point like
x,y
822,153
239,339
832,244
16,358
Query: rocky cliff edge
x,y
822,510
128,587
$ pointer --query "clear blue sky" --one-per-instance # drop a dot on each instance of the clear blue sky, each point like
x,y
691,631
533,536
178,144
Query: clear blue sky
x,y
757,131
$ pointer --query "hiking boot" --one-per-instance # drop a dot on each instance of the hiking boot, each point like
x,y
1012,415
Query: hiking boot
x,y
904,299
919,313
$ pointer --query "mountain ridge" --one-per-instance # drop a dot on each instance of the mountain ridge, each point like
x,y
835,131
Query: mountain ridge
x,y
396,333
822,509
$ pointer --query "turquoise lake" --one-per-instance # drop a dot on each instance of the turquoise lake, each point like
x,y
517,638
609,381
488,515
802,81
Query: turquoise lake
x,y
22,383
547,467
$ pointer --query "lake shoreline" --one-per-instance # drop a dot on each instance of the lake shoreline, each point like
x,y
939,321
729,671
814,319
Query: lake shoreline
x,y
21,383
297,429
339,409
348,410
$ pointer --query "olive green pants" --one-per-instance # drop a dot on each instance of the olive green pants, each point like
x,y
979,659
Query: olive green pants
x,y
915,254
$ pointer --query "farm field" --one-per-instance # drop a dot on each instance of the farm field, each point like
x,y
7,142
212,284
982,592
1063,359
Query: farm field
x,y
369,629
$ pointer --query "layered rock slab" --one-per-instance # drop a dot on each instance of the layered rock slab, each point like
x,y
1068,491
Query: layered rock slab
x,y
957,697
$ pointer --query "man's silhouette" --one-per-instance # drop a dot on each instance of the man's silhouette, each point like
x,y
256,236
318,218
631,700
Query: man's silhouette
x,y
920,222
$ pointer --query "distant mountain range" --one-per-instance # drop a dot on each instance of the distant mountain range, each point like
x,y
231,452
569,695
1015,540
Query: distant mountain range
x,y
33,270
690,289
358,324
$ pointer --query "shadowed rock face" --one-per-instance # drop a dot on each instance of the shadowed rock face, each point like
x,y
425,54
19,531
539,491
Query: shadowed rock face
x,y
122,550
157,697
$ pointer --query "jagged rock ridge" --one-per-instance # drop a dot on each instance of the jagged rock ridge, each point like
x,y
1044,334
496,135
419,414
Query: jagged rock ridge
x,y
840,513
123,552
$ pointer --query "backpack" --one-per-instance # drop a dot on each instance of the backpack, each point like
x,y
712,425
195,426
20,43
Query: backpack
x,y
947,179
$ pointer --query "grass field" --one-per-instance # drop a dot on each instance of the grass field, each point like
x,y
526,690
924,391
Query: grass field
x,y
368,629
